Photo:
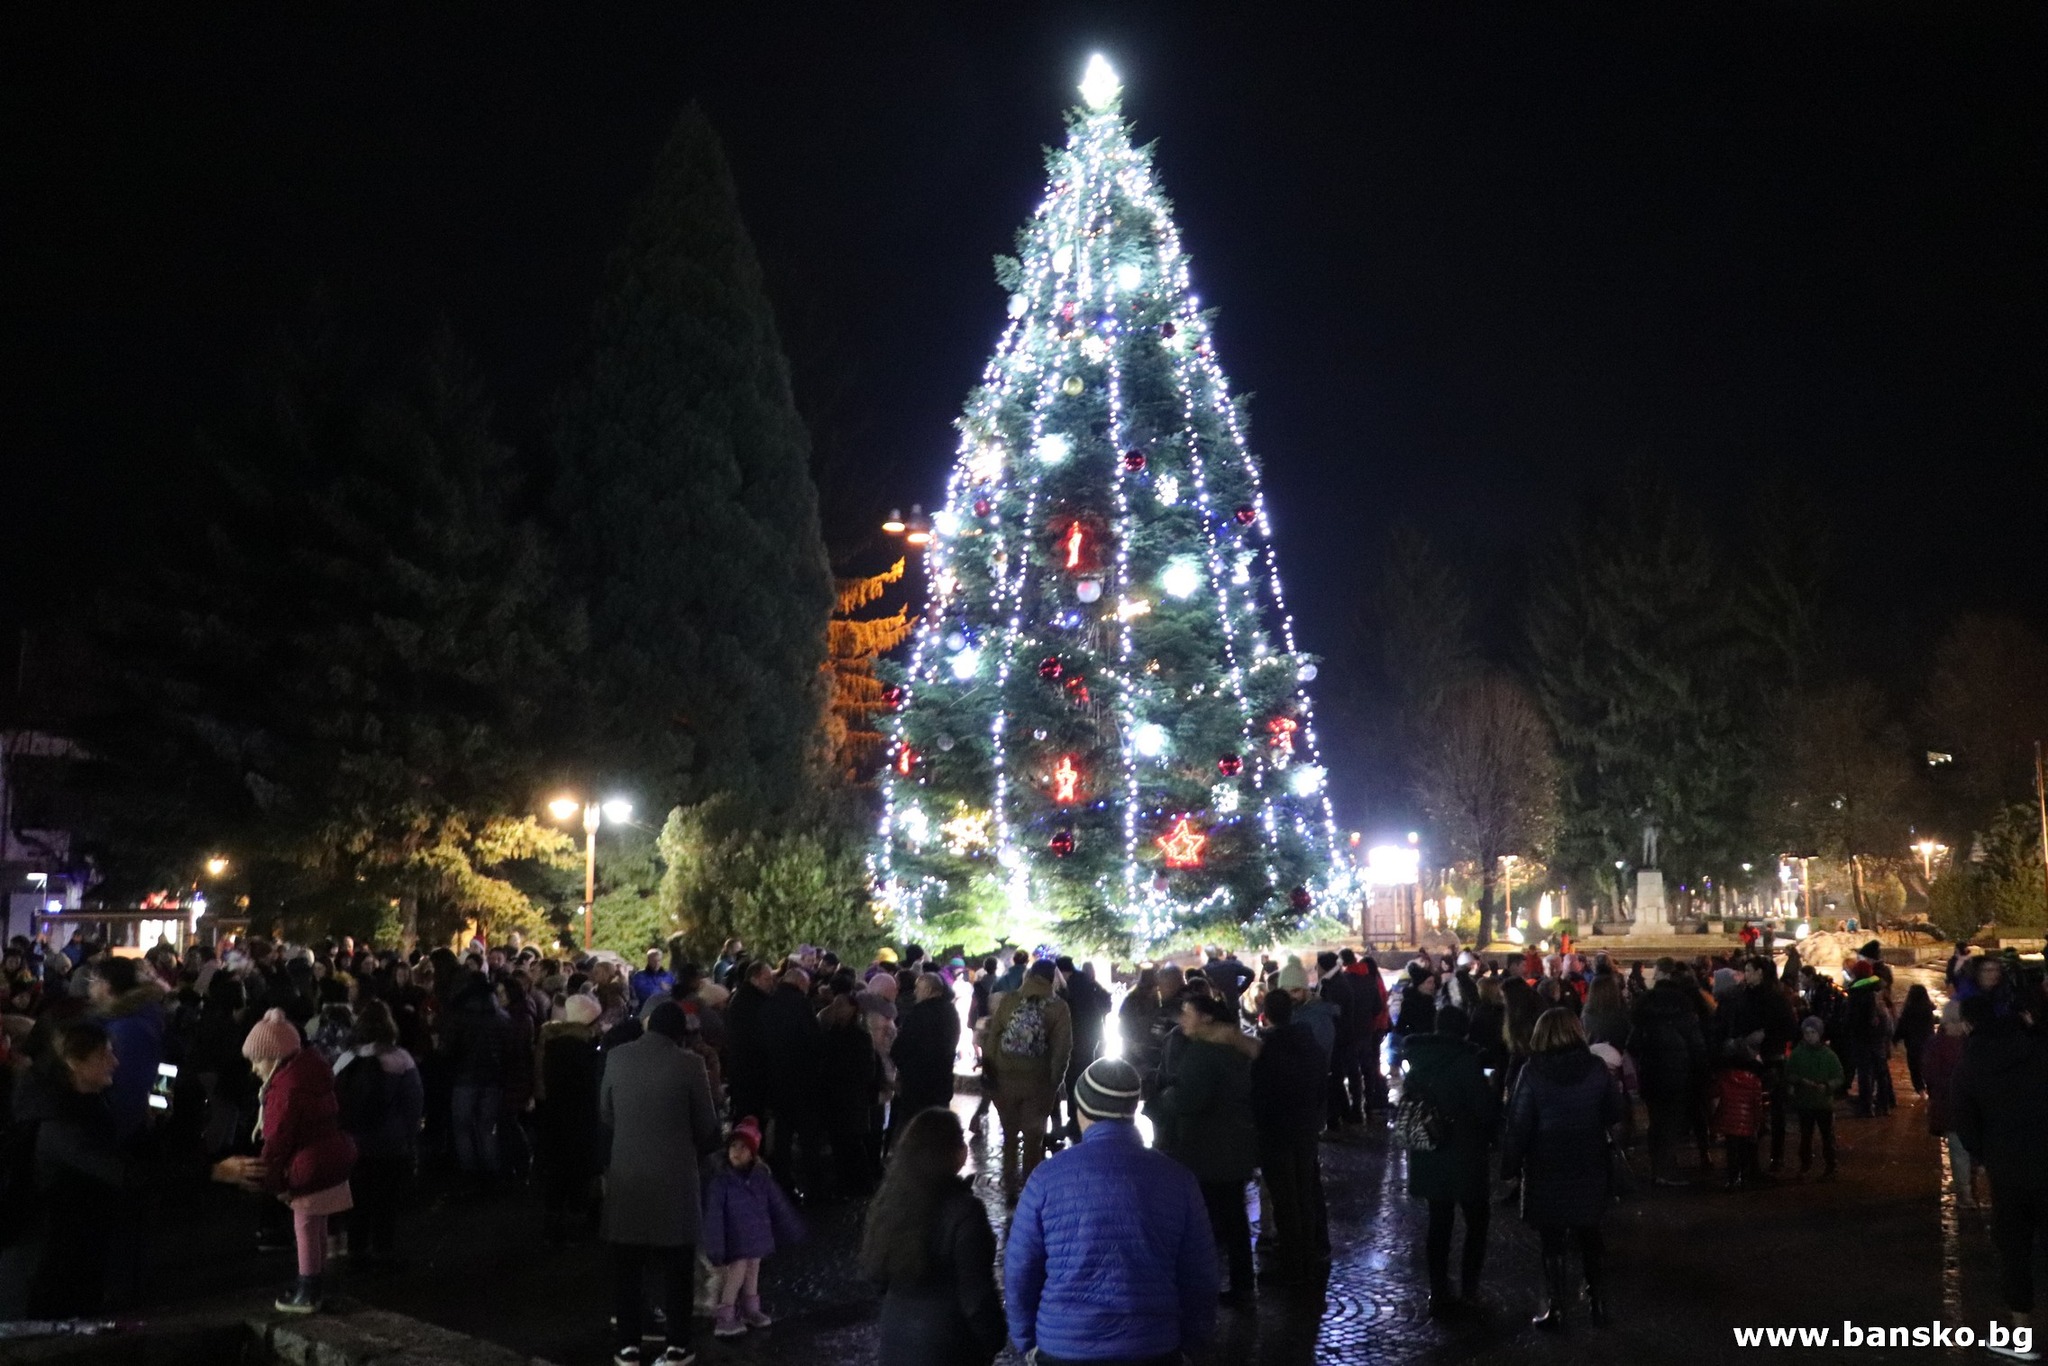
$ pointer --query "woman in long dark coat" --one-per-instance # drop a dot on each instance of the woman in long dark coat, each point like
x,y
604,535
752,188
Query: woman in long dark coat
x,y
850,1078
570,1139
929,1246
1203,1119
1556,1140
927,1038
1449,1072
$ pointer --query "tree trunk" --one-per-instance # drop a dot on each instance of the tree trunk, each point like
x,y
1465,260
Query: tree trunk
x,y
1856,887
409,922
1486,882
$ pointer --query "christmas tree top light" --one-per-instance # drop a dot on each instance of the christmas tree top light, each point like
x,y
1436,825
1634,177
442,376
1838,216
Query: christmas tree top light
x,y
1105,678
1099,85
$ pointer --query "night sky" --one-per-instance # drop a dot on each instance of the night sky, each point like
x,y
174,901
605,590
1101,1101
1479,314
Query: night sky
x,y
1472,259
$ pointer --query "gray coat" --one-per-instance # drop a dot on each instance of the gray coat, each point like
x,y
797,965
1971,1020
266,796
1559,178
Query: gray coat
x,y
656,1099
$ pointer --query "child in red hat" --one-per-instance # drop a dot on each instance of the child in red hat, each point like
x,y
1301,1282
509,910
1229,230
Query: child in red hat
x,y
746,1217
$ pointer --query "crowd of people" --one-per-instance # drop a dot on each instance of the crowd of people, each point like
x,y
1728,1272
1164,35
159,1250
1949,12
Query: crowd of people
x,y
684,1115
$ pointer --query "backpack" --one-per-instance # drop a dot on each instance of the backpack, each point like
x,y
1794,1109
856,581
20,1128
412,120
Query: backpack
x,y
1025,1035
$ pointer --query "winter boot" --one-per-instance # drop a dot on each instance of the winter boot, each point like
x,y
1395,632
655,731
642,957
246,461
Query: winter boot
x,y
750,1312
304,1299
726,1322
1555,1279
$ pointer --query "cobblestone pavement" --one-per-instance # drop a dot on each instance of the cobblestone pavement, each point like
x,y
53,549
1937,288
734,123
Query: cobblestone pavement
x,y
1882,1245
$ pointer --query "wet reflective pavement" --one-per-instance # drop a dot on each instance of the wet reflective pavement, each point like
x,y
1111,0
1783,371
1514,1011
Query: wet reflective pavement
x,y
1883,1245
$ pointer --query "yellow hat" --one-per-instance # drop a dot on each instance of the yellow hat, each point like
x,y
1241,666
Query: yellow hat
x,y
885,955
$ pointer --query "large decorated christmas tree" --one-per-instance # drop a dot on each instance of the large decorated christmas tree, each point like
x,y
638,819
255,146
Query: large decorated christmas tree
x,y
1102,734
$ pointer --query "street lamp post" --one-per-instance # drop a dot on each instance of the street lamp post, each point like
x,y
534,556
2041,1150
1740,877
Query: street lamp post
x,y
1507,883
594,815
1927,849
591,817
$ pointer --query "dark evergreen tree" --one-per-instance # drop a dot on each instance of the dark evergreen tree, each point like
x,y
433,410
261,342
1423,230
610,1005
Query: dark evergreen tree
x,y
340,685
690,520
1650,684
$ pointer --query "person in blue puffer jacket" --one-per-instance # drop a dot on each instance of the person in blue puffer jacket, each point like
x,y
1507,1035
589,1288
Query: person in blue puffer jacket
x,y
1110,1259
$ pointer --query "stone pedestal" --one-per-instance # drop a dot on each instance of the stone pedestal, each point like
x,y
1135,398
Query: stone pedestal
x,y
1652,918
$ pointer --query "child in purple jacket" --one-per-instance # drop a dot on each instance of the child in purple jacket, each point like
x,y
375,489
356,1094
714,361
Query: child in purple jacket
x,y
746,1217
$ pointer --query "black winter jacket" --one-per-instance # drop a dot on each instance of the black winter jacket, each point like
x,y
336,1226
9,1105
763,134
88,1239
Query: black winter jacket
x,y
927,1037
1556,1137
950,1315
1666,1041
2001,1104
475,1037
1289,1078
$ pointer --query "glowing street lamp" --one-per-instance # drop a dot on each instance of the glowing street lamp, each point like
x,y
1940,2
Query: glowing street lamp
x,y
217,865
915,529
616,810
1927,849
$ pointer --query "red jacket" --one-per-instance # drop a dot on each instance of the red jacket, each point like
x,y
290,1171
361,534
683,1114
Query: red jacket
x,y
304,1146
1738,1103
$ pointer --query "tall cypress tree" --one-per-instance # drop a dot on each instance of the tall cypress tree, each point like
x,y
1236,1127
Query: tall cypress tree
x,y
689,516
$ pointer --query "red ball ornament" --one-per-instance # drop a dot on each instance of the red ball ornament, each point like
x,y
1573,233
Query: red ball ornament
x,y
893,696
1067,310
1247,514
1134,461
1077,689
1300,899
1062,843
1050,667
983,507
1230,765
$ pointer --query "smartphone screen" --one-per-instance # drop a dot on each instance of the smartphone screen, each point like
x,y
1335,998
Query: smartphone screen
x,y
160,1089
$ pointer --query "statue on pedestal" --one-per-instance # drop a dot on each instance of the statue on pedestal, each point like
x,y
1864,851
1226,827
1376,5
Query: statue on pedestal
x,y
1651,830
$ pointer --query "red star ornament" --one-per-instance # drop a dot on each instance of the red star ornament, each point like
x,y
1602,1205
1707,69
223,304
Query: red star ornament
x,y
1183,848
